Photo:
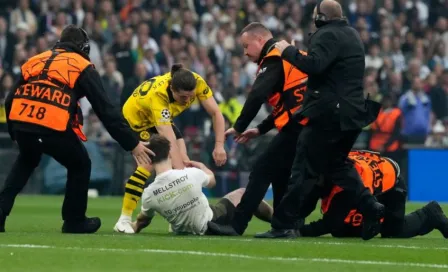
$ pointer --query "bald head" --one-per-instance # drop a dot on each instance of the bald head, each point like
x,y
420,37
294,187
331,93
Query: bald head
x,y
331,8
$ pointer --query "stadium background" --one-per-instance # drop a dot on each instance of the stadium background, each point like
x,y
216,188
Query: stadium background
x,y
406,45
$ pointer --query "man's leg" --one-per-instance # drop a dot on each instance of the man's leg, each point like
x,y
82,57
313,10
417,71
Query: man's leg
x,y
133,192
264,211
272,167
69,151
28,159
318,152
309,162
136,183
275,159
423,221
420,222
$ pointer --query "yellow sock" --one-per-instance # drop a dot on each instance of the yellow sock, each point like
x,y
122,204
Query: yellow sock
x,y
133,190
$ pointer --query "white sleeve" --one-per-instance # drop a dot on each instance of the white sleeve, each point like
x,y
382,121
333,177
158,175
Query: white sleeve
x,y
199,176
147,203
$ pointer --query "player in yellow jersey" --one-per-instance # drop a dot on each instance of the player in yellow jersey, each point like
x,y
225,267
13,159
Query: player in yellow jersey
x,y
151,109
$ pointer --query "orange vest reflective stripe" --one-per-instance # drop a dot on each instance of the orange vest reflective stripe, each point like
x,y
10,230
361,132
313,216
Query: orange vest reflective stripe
x,y
377,173
382,130
48,99
291,98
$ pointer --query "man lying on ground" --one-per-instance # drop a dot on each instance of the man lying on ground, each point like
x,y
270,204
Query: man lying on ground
x,y
177,196
382,176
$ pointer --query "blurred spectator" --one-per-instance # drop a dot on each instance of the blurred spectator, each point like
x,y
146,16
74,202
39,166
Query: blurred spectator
x,y
124,56
438,137
142,41
440,56
158,24
23,15
6,85
230,107
397,55
7,45
140,75
386,130
373,58
112,81
416,108
371,89
439,96
165,57
95,131
151,64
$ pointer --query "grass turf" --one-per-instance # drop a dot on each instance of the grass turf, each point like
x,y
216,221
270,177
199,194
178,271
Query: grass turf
x,y
33,242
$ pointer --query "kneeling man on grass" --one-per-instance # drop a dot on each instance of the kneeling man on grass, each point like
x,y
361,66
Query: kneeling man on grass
x,y
177,196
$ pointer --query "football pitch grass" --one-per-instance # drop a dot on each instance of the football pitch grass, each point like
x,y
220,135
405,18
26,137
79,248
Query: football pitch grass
x,y
34,242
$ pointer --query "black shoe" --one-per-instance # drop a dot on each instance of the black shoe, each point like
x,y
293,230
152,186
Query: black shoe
x,y
371,224
437,218
2,221
88,225
221,230
279,233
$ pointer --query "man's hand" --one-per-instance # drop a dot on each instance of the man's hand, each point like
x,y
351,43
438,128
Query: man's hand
x,y
195,164
248,135
231,132
219,155
141,222
282,45
140,154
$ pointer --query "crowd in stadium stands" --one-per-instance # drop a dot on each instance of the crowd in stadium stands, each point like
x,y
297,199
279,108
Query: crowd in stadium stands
x,y
406,43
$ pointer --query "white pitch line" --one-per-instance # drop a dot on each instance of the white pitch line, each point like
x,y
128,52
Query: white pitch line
x,y
290,241
236,256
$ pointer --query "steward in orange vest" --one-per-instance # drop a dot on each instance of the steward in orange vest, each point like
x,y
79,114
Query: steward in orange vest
x,y
44,117
382,176
386,130
282,86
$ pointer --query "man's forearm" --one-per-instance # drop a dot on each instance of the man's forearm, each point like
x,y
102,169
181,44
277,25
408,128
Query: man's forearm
x,y
142,222
218,127
267,124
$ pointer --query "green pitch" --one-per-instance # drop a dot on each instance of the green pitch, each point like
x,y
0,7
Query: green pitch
x,y
33,242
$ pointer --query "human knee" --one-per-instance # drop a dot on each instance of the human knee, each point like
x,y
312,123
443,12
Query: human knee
x,y
235,196
240,191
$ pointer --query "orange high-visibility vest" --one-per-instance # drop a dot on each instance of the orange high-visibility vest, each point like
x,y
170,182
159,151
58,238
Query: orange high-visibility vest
x,y
291,98
379,174
383,128
48,98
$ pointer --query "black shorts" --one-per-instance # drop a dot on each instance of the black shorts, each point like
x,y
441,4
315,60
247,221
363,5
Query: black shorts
x,y
223,211
146,134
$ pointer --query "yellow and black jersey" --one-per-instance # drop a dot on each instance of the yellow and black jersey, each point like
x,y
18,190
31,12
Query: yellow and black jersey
x,y
152,103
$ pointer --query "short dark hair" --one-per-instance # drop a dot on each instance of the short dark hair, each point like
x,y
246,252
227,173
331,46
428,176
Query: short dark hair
x,y
160,146
256,27
182,79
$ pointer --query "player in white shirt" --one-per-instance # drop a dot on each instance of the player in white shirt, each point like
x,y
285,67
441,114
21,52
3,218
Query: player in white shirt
x,y
177,196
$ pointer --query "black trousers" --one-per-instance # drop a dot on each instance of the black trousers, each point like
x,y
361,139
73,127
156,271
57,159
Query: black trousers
x,y
66,149
319,152
273,166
